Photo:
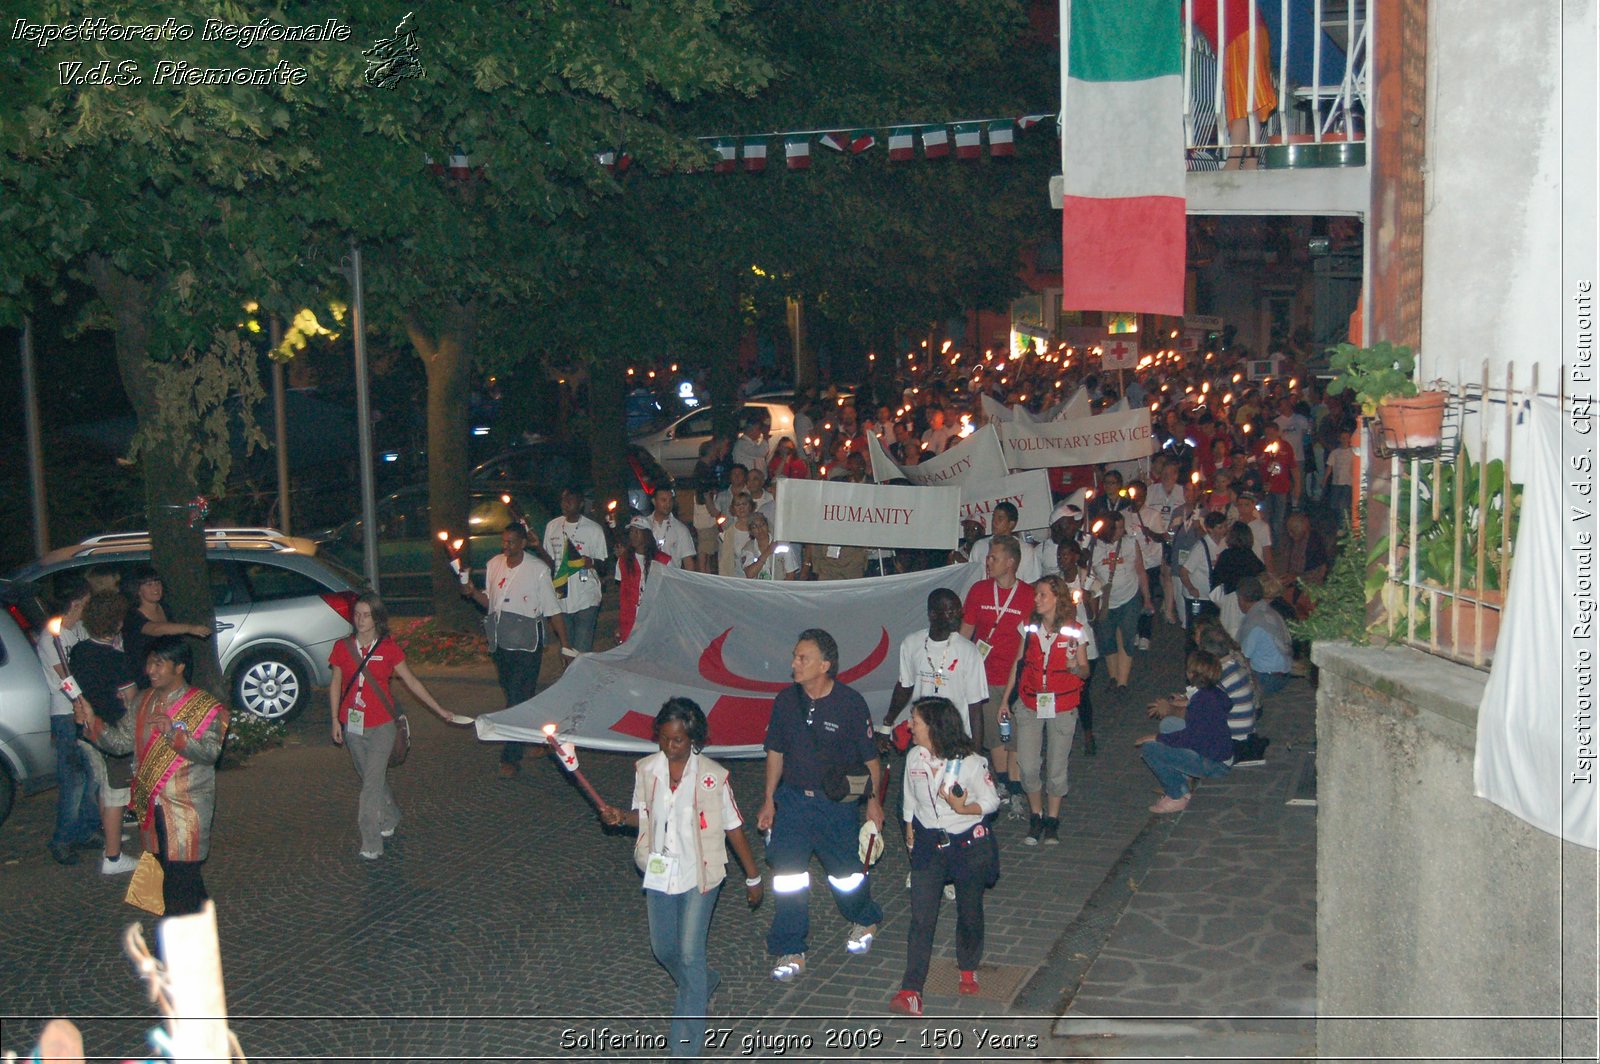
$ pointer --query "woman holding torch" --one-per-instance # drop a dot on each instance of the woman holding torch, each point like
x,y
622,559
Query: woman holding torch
x,y
684,809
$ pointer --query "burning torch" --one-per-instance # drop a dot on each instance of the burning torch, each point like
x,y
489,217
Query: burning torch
x,y
453,547
611,514
516,514
69,686
567,754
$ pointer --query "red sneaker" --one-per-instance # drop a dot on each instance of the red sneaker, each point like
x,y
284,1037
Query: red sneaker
x,y
969,983
907,1002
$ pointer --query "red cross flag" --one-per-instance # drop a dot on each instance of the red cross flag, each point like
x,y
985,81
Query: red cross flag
x,y
1119,354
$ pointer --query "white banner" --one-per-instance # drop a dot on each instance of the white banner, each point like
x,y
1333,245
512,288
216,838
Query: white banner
x,y
726,643
1530,759
1029,492
1081,441
978,457
1077,406
868,515
994,411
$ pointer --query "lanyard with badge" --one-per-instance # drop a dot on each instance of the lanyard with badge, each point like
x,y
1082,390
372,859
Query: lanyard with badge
x,y
356,717
660,865
984,646
1045,701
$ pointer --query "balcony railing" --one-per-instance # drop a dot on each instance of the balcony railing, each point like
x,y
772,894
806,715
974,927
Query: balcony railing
x,y
1307,95
1451,528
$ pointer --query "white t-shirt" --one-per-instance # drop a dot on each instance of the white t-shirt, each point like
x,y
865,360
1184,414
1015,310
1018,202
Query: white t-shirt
x,y
951,668
525,589
1160,503
1029,569
1261,535
924,779
583,588
60,704
783,560
672,538
752,454
1124,577
1088,586
1149,547
1198,562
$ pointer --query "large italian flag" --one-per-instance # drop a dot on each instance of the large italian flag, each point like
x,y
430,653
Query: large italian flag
x,y
1122,216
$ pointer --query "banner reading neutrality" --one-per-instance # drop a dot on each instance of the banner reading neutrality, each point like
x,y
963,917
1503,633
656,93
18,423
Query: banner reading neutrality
x,y
1080,441
868,515
726,643
977,458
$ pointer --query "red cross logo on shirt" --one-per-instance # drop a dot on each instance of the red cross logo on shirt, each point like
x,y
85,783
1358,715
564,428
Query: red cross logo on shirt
x,y
708,781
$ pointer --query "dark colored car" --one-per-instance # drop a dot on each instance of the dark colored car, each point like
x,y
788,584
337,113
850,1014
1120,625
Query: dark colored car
x,y
542,468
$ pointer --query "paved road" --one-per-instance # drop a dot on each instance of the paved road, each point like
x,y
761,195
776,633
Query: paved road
x,y
504,923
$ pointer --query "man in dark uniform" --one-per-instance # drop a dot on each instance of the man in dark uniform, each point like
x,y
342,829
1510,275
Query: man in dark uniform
x,y
817,723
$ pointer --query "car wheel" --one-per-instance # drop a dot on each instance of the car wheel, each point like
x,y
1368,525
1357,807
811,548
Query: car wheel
x,y
271,686
8,792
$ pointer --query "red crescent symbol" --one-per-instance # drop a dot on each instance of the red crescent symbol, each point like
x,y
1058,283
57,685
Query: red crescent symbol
x,y
871,661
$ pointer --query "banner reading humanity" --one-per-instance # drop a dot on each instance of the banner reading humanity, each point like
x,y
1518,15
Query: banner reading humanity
x,y
868,515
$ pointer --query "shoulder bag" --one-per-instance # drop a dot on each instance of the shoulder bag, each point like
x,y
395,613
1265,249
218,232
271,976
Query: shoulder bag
x,y
402,727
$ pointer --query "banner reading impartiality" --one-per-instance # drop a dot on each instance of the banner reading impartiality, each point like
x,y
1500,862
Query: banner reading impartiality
x,y
726,644
977,458
1081,441
837,512
1029,492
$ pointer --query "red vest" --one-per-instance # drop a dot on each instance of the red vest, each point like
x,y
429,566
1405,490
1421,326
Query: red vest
x,y
1054,675
632,585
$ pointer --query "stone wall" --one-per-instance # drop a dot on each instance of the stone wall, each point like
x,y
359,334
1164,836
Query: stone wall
x,y
1435,906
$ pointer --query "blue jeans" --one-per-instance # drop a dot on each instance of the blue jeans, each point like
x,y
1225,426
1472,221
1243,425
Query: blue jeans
x,y
803,826
580,628
1173,765
1271,682
678,927
77,811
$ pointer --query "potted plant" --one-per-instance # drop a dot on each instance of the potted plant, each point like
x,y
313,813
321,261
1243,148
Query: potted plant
x,y
1380,378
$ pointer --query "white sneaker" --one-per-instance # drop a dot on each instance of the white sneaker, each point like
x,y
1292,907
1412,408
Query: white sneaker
x,y
908,880
860,940
371,855
388,833
949,892
1142,643
120,865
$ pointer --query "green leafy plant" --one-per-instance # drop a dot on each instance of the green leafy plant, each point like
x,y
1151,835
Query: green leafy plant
x,y
1340,612
1372,374
248,735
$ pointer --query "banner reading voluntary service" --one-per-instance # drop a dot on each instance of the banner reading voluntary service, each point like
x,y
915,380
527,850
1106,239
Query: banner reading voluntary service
x,y
868,515
973,460
1080,441
727,645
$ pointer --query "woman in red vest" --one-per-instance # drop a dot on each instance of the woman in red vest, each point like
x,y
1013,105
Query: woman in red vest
x,y
633,572
1054,664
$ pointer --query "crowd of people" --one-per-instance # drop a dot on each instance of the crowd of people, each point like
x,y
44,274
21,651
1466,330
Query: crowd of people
x,y
1223,532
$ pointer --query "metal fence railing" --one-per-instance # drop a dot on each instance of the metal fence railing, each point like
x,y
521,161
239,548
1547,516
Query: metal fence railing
x,y
1272,106
1451,525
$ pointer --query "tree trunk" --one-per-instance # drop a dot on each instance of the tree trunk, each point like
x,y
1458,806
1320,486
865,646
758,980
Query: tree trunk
x,y
805,359
177,550
447,359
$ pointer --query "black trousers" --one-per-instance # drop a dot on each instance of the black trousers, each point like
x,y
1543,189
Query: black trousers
x,y
183,890
518,672
1086,700
969,867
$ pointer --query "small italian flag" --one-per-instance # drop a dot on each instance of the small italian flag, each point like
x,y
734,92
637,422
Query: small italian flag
x,y
1122,211
1029,121
797,152
755,155
901,144
935,142
969,140
727,156
852,143
1002,139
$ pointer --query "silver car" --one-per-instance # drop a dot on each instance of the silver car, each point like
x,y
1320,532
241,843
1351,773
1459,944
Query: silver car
x,y
279,610
676,447
27,762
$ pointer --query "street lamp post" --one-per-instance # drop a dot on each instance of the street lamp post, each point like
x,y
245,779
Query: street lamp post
x,y
369,501
30,415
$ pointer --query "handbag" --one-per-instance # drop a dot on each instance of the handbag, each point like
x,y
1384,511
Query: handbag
x,y
144,889
402,727
513,631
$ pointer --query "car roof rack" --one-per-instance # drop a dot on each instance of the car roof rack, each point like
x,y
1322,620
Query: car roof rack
x,y
211,534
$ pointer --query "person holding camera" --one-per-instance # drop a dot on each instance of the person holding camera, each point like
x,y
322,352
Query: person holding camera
x,y
765,559
948,790
821,761
1053,664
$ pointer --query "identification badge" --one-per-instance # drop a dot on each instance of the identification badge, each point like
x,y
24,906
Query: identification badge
x,y
834,551
983,650
1046,705
355,723
658,871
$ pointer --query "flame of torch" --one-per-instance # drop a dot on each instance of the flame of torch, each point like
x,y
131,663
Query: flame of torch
x,y
516,514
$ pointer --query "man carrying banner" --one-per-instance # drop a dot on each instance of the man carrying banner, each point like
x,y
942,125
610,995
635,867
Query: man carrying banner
x,y
821,760
992,617
578,545
672,535
1004,520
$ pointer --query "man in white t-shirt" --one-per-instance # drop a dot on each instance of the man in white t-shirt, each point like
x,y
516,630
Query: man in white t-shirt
x,y
672,536
77,810
938,435
1260,531
750,449
522,604
578,545
940,661
1004,521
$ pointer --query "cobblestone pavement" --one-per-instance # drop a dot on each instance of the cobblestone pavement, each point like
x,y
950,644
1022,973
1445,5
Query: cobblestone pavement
x,y
504,923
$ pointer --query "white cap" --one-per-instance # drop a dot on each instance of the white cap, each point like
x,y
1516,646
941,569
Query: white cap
x,y
1071,506
642,523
